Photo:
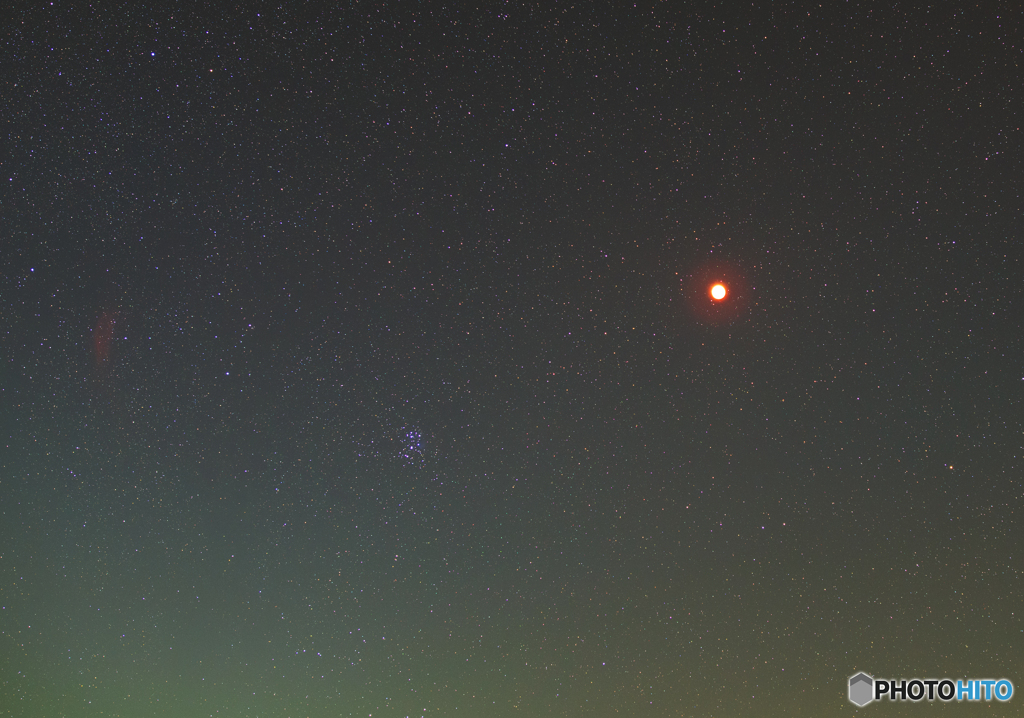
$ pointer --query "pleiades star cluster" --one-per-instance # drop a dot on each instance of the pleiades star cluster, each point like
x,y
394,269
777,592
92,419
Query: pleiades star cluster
x,y
366,359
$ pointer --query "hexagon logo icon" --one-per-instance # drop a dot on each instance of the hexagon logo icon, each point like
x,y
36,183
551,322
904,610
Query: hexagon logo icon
x,y
862,688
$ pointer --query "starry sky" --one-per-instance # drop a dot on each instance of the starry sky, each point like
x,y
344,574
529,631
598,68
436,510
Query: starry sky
x,y
358,360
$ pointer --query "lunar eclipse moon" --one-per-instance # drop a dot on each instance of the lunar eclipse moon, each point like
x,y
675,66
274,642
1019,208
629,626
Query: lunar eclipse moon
x,y
716,293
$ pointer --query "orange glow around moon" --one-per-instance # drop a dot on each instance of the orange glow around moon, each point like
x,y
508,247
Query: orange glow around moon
x,y
716,292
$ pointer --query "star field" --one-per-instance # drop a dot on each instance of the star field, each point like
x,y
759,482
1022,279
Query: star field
x,y
360,361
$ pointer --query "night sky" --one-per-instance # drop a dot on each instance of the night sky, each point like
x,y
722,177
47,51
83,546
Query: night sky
x,y
360,361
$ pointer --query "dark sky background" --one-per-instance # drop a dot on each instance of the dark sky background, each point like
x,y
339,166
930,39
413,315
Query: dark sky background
x,y
358,361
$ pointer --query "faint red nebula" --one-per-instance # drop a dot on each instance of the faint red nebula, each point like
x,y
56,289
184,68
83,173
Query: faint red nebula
x,y
102,339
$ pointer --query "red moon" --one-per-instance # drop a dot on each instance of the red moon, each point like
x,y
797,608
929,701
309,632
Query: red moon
x,y
716,292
